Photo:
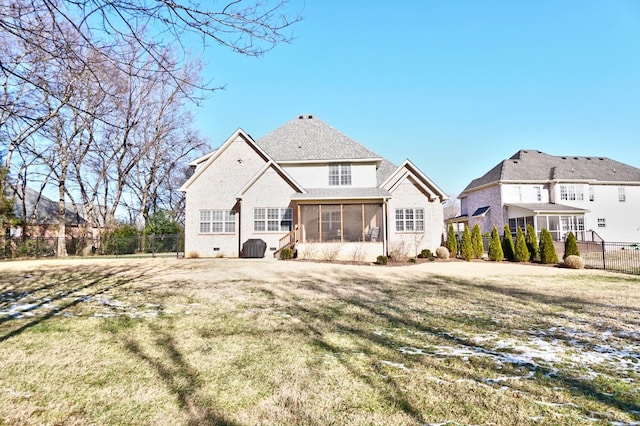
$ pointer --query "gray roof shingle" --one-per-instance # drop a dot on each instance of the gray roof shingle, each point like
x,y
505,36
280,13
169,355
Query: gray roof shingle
x,y
547,207
532,165
307,138
341,193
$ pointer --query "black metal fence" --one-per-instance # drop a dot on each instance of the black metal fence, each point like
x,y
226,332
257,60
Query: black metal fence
x,y
618,257
609,256
143,245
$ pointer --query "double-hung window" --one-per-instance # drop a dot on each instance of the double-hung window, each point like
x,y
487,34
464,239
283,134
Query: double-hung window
x,y
217,221
272,219
409,220
622,195
571,193
339,174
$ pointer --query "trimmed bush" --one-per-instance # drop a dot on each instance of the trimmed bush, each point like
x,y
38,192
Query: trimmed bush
x,y
382,260
570,246
476,242
507,244
522,252
546,248
425,254
574,262
286,253
532,242
442,253
412,260
452,242
495,247
466,247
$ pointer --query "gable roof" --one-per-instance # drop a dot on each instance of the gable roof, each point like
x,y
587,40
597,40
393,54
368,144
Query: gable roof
x,y
409,170
307,138
47,213
270,165
537,166
202,163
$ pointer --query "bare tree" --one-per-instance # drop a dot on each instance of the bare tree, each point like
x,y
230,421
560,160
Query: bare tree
x,y
451,207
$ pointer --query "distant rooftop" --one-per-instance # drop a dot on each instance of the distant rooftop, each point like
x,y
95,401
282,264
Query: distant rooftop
x,y
533,165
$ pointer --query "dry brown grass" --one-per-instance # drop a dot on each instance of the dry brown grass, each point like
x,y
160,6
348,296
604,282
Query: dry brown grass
x,y
245,342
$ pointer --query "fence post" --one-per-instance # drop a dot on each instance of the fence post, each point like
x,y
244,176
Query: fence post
x,y
604,266
153,244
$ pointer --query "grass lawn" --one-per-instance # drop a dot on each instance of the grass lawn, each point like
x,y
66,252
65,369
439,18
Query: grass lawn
x,y
247,342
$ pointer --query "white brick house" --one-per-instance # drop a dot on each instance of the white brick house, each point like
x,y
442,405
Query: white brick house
x,y
306,184
595,197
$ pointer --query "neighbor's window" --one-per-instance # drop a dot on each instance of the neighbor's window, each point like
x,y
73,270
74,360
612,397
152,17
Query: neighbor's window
x,y
592,193
272,219
339,174
217,221
538,191
602,222
622,195
409,220
571,193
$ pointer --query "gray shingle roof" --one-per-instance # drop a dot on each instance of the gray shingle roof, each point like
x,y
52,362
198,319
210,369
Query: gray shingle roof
x,y
307,138
342,193
47,213
546,207
532,165
385,169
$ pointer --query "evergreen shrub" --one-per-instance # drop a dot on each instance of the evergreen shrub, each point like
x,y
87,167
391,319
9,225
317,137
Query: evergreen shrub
x,y
495,247
522,252
570,246
546,248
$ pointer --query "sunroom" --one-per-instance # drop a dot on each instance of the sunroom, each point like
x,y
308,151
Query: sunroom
x,y
558,219
329,223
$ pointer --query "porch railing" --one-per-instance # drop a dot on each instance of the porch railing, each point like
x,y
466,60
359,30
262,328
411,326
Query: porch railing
x,y
289,240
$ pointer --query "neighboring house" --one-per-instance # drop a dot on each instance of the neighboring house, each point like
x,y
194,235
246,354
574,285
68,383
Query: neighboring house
x,y
41,214
595,197
307,185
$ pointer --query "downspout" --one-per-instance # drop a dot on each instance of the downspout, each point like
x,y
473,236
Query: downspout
x,y
239,202
385,211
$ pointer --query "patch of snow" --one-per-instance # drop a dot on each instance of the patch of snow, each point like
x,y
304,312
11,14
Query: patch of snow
x,y
395,365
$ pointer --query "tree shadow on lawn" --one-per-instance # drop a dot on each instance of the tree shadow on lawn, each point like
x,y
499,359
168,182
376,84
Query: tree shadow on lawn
x,y
380,308
181,379
71,287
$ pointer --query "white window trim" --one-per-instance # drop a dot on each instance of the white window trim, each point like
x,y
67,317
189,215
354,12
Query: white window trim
x,y
210,219
622,194
269,215
339,174
415,222
571,192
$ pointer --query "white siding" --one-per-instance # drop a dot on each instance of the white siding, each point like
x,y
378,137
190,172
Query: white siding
x,y
216,189
363,175
622,218
270,190
408,195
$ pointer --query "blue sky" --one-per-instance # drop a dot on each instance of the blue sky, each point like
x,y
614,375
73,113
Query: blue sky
x,y
455,86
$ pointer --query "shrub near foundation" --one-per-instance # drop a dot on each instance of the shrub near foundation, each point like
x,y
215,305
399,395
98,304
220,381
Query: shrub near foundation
x,y
442,253
574,262
571,246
